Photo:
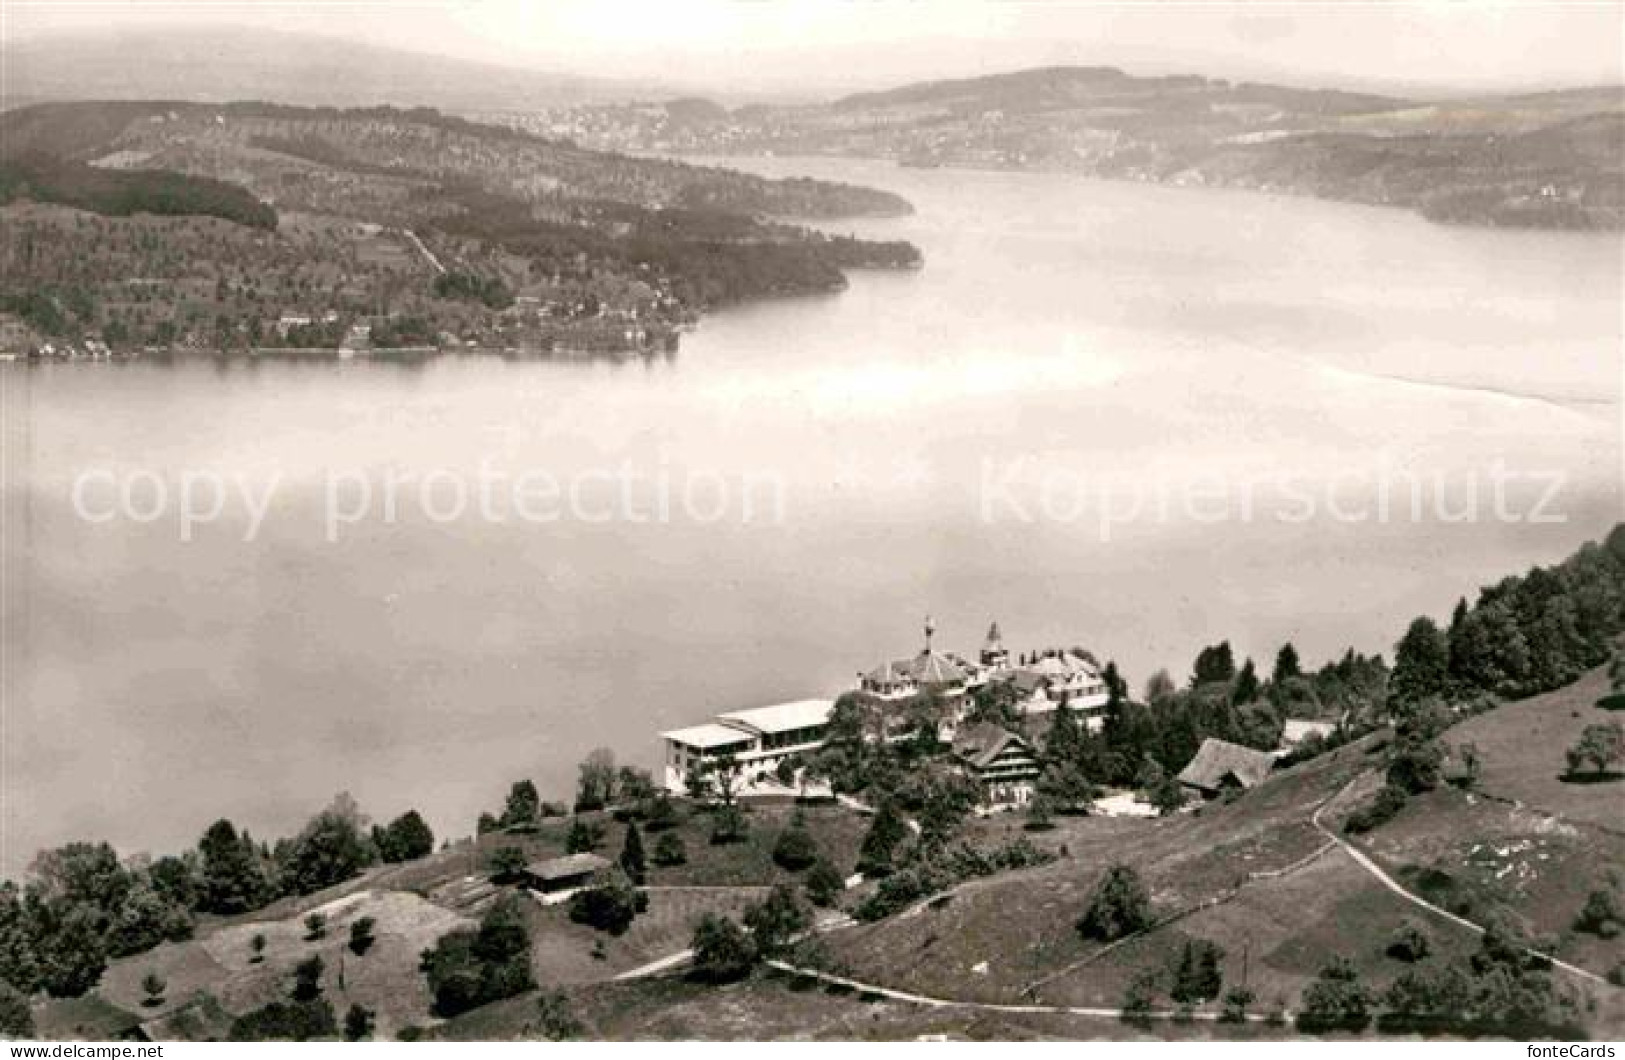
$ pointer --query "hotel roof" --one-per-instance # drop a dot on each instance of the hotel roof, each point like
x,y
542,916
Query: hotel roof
x,y
782,717
708,735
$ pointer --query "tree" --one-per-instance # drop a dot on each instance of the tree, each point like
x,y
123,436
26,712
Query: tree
x,y
1237,1000
1287,665
333,847
595,783
315,927
145,918
1603,914
777,920
508,863
886,831
256,948
1139,997
633,862
68,947
823,883
583,836
468,968
1421,663
307,979
662,815
1159,686
361,935
1336,999
406,838
358,1024
1119,906
231,877
1198,975
1214,664
669,849
1599,746
1415,765
523,808
795,849
723,951
728,825
16,1018
1166,796
610,904
555,1021
634,785
1040,814
1410,942
1247,684
153,985
1067,787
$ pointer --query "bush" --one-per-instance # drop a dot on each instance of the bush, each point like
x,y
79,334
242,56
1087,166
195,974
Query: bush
x,y
610,904
361,936
669,850
795,849
1237,1000
289,1021
723,952
1603,914
307,979
777,920
1410,943
728,826
1119,906
555,1020
153,985
1383,807
1336,1000
16,1018
468,968
1198,975
358,1024
823,884
315,927
1139,998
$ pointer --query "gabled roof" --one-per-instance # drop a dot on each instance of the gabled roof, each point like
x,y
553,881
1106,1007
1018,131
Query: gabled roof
x,y
981,743
708,736
1217,760
783,717
566,867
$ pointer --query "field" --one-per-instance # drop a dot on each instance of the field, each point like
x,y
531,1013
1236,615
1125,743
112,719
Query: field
x,y
1523,744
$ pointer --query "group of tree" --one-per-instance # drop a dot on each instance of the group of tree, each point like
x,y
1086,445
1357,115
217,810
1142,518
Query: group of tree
x,y
474,966
304,1015
81,905
725,950
1501,989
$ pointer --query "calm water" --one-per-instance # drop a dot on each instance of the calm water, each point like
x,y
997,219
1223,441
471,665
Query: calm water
x,y
1071,349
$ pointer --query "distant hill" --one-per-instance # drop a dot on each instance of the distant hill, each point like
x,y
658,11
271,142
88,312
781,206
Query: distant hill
x,y
1546,160
220,65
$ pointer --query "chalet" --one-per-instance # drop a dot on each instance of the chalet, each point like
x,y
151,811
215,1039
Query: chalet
x,y
1060,678
556,879
758,739
1000,761
1220,766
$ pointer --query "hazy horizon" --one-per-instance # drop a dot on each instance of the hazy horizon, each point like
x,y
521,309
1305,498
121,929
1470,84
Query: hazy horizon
x,y
790,48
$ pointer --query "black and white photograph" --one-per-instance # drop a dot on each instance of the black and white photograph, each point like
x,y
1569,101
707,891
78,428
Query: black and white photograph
x,y
812,520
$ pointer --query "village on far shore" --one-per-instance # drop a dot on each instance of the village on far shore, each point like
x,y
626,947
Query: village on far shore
x,y
764,751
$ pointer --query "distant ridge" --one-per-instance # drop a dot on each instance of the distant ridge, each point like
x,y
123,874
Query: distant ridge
x,y
299,68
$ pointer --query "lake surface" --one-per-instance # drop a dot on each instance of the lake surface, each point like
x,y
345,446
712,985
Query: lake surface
x,y
1133,418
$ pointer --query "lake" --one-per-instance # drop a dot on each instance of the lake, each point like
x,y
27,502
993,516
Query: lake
x,y
1133,418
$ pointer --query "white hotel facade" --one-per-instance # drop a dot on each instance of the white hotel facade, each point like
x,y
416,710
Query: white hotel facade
x,y
761,738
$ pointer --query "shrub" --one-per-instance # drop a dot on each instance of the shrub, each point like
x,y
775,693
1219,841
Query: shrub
x,y
795,849
1139,998
777,920
1237,1000
1410,943
669,850
152,984
468,968
723,952
610,904
1603,914
1119,906
823,883
358,1024
554,1019
307,979
1336,1000
361,936
1383,807
315,927
16,1018
293,1021
728,826
1198,975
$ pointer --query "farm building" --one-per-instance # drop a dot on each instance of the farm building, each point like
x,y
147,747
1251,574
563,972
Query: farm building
x,y
556,879
1220,766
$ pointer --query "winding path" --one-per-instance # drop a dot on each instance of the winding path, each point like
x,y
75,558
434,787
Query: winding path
x,y
1364,861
